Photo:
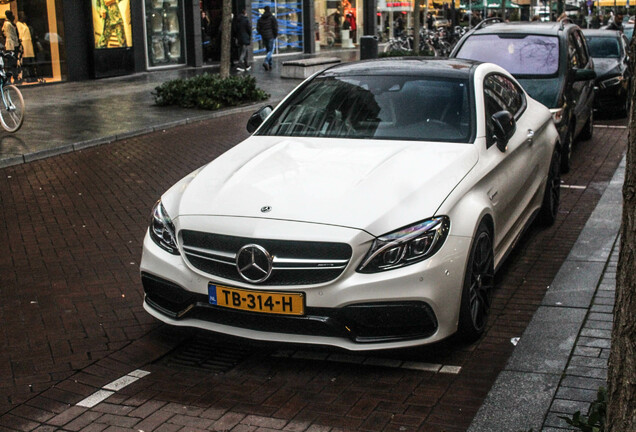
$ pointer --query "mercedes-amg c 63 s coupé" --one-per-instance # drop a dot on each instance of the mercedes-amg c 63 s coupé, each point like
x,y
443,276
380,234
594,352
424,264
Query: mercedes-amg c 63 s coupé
x,y
369,210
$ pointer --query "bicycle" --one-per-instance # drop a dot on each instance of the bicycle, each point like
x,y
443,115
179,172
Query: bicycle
x,y
12,106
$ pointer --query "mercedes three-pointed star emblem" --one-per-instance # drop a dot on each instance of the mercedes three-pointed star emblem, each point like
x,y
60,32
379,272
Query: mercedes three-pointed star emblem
x,y
254,263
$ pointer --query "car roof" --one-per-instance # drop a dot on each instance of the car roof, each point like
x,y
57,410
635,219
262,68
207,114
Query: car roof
x,y
598,32
424,66
523,27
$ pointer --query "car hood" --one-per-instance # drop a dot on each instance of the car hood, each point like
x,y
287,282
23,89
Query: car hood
x,y
544,90
605,67
377,186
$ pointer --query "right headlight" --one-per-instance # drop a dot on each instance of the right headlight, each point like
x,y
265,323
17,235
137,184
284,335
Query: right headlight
x,y
611,82
406,246
162,229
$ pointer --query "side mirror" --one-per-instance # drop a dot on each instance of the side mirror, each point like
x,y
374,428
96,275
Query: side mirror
x,y
258,118
584,75
504,126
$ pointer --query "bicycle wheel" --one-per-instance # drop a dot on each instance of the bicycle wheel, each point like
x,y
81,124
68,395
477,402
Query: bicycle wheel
x,y
11,108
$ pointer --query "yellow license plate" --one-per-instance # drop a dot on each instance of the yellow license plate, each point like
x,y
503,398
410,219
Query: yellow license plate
x,y
257,301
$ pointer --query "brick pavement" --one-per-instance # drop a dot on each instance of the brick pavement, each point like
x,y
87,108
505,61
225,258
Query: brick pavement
x,y
73,322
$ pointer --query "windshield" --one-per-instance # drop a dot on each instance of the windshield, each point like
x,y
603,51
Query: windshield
x,y
528,55
377,107
603,47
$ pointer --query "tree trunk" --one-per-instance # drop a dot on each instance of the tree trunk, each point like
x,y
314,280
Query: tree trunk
x,y
226,37
621,405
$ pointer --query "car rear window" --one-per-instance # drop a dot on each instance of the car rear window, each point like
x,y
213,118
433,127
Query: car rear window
x,y
376,107
527,55
603,47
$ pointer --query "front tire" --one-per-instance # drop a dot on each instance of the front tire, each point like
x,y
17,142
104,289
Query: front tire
x,y
477,289
552,195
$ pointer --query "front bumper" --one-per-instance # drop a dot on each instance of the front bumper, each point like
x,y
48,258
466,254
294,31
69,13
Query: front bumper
x,y
404,307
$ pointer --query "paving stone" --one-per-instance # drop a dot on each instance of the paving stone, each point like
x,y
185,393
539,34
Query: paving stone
x,y
576,394
569,406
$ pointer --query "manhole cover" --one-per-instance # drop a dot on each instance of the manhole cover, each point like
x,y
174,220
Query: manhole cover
x,y
208,353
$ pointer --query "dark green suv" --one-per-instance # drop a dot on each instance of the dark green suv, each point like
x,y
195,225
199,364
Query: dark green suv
x,y
552,63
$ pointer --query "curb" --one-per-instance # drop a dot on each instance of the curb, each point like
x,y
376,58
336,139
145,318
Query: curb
x,y
523,394
68,148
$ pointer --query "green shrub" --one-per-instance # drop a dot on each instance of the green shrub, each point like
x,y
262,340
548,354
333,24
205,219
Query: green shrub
x,y
595,421
209,92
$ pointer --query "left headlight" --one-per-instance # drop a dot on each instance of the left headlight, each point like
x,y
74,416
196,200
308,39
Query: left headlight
x,y
406,246
162,229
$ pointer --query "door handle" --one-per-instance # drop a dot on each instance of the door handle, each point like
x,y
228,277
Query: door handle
x,y
530,136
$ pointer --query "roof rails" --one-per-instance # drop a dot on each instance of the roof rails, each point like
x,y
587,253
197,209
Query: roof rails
x,y
487,22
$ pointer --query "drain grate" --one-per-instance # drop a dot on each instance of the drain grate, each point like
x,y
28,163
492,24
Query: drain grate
x,y
208,353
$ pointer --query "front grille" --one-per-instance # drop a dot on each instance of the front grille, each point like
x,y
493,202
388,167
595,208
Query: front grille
x,y
294,262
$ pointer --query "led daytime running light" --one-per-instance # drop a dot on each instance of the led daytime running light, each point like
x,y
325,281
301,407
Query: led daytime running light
x,y
406,246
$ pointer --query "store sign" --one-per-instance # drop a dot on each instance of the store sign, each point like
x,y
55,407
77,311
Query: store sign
x,y
395,6
111,24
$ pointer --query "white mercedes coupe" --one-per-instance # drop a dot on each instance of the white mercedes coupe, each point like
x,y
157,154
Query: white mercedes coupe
x,y
369,210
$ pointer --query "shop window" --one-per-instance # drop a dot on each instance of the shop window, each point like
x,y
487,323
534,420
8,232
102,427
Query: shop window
x,y
164,32
41,27
289,14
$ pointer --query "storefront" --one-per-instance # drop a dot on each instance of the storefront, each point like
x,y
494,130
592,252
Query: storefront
x,y
41,25
75,40
165,38
334,16
289,14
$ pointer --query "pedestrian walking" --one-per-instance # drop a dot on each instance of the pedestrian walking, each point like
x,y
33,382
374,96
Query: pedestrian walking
x,y
617,23
267,27
243,34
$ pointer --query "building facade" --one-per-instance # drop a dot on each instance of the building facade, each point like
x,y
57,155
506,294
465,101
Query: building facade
x,y
76,40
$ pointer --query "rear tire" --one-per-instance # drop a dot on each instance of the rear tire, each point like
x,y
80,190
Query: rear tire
x,y
552,194
588,129
478,284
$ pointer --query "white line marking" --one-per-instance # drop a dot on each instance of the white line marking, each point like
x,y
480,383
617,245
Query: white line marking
x,y
369,361
139,373
110,388
428,367
120,383
450,369
95,398
609,126
573,187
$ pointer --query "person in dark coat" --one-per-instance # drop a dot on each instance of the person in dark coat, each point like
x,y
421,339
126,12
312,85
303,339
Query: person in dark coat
x,y
243,35
267,27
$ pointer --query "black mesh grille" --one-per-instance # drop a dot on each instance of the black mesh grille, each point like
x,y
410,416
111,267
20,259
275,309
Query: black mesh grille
x,y
278,248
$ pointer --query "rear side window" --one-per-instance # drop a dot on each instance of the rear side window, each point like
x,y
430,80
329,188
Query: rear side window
x,y
521,55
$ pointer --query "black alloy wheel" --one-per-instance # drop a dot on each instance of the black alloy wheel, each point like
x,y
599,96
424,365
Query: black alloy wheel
x,y
552,195
477,290
566,150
